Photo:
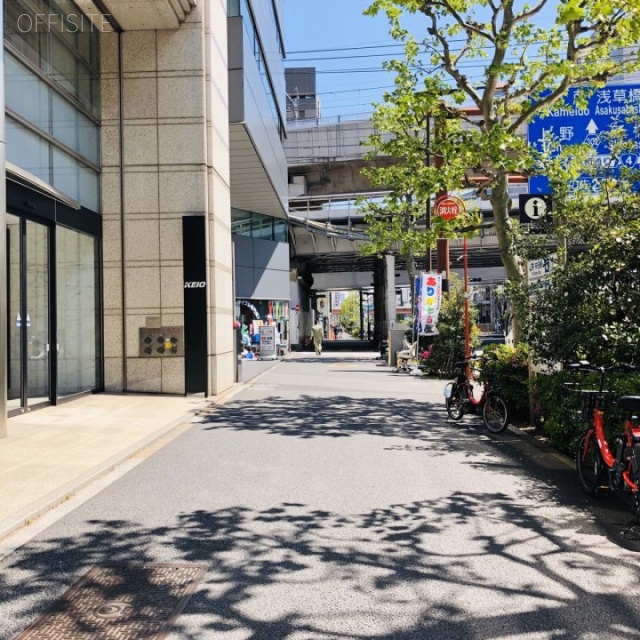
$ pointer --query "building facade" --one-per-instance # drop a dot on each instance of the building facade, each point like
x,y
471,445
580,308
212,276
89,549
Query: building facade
x,y
119,187
259,178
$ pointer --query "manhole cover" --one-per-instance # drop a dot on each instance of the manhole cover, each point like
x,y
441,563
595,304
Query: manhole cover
x,y
120,602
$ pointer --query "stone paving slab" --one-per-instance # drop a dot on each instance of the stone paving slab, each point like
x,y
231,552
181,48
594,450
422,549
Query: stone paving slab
x,y
51,453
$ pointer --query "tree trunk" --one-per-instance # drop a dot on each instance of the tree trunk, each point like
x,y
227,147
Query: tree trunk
x,y
501,205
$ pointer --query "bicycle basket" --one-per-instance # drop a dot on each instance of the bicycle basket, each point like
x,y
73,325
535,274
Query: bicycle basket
x,y
581,400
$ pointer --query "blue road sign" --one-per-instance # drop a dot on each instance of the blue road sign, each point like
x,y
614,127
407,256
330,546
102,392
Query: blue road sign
x,y
570,124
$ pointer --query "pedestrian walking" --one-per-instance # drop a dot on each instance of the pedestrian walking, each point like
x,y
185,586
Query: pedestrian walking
x,y
317,334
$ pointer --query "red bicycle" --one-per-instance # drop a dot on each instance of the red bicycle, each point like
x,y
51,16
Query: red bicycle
x,y
593,453
460,397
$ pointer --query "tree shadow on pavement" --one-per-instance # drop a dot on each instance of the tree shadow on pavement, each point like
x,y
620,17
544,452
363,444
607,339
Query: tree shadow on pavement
x,y
423,426
333,416
475,566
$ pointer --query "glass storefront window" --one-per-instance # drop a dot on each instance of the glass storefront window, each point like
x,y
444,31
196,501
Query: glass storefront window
x,y
63,68
58,39
256,225
32,99
27,150
252,314
65,174
88,139
26,94
17,34
64,121
240,222
262,227
280,231
77,305
51,164
61,105
88,187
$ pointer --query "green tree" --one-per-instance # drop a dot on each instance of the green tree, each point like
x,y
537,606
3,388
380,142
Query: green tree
x,y
527,68
397,221
350,314
592,307
586,310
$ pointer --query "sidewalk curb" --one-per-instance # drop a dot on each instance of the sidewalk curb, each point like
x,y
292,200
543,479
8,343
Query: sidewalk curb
x,y
37,509
62,494
546,449
12,524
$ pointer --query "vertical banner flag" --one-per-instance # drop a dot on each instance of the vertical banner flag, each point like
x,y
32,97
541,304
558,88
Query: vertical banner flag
x,y
428,296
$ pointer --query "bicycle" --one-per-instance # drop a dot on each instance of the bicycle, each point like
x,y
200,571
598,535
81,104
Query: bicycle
x,y
593,453
460,399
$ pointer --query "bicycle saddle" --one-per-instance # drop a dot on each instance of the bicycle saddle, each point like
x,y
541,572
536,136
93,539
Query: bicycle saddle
x,y
629,403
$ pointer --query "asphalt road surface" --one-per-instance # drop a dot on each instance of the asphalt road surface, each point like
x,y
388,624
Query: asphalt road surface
x,y
331,500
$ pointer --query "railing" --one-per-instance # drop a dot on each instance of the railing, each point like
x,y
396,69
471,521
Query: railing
x,y
328,120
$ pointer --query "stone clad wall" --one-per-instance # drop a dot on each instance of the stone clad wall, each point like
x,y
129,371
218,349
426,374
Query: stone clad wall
x,y
176,163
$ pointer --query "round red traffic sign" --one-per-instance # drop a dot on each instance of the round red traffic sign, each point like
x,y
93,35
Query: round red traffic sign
x,y
448,207
297,307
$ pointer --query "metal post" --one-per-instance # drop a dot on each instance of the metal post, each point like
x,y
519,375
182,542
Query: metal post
x,y
428,211
4,346
467,347
442,244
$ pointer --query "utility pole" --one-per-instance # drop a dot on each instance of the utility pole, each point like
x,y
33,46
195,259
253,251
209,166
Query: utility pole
x,y
467,329
428,210
442,244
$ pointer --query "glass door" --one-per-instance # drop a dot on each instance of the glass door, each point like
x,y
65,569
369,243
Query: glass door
x,y
36,287
14,315
28,257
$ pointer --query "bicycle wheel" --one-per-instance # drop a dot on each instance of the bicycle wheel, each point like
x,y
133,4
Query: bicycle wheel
x,y
455,405
494,414
589,463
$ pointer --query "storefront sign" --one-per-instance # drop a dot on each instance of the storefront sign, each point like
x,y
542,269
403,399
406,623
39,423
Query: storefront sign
x,y
449,207
250,305
268,342
195,304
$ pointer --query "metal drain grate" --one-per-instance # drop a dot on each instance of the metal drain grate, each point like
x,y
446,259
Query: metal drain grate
x,y
120,602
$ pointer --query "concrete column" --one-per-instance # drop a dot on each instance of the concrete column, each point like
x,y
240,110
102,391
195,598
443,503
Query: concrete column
x,y
4,347
175,162
390,291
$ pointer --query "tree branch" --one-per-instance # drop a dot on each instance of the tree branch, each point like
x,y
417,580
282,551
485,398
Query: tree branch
x,y
447,61
525,15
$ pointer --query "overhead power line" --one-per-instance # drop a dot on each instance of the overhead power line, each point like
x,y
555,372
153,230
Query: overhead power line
x,y
384,46
369,55
330,49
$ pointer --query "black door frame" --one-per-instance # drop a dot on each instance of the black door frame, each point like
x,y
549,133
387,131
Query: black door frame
x,y
31,205
24,314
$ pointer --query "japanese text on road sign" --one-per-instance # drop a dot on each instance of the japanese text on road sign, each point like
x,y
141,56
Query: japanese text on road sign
x,y
572,124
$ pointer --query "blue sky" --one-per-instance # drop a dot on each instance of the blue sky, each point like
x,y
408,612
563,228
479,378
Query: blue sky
x,y
314,33
348,48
